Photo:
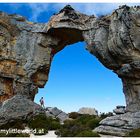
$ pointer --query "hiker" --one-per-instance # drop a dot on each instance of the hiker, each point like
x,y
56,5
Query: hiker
x,y
42,102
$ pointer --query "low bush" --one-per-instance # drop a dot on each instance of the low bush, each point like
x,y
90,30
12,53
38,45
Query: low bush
x,y
54,125
87,133
72,130
41,122
82,126
104,115
18,124
10,126
93,123
74,115
85,118
134,133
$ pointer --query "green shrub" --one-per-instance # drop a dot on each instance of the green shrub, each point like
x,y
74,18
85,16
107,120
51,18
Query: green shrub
x,y
68,123
85,118
71,128
104,115
74,129
39,122
134,133
93,123
42,122
15,124
55,125
74,115
87,133
19,124
81,125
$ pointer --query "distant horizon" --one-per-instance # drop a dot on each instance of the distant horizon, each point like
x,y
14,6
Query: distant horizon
x,y
76,79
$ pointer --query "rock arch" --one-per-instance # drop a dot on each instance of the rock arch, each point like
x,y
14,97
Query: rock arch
x,y
112,39
27,49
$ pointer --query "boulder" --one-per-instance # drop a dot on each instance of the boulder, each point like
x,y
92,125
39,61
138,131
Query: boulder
x,y
56,113
18,108
119,110
48,114
119,125
87,110
110,130
63,116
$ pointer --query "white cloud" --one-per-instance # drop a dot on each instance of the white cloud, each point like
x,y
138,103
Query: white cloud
x,y
86,8
37,9
95,8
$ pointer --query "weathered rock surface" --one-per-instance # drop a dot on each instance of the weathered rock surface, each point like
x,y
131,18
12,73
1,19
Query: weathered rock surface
x,y
119,125
56,113
119,110
88,110
18,108
27,49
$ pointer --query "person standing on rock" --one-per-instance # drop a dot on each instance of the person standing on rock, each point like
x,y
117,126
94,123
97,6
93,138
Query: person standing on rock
x,y
42,102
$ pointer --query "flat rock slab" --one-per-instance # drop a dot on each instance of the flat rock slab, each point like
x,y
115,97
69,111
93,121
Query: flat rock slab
x,y
119,125
110,130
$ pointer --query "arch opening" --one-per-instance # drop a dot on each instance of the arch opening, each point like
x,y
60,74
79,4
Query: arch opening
x,y
77,79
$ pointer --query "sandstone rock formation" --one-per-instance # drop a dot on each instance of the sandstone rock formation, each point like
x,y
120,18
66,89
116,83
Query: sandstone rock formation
x,y
88,110
27,49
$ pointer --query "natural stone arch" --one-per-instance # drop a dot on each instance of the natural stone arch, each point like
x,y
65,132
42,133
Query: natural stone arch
x,y
111,39
27,50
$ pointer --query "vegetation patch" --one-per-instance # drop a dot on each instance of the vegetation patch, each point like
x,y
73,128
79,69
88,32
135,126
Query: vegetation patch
x,y
18,124
87,133
79,126
42,124
134,133
10,129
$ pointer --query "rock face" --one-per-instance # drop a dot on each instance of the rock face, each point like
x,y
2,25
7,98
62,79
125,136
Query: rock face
x,y
56,113
119,125
27,49
119,110
18,108
87,110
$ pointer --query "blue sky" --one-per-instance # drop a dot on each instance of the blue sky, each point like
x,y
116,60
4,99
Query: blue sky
x,y
77,79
